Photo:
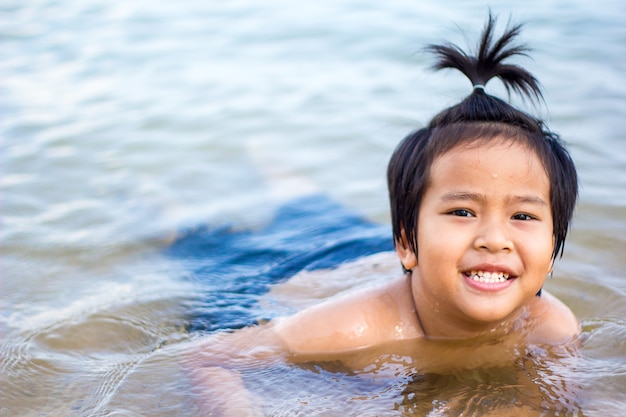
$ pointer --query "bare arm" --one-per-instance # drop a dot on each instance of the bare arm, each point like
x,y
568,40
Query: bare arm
x,y
556,323
222,391
357,320
341,324
213,366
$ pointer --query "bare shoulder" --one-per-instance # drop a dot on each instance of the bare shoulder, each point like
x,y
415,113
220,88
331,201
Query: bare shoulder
x,y
360,319
556,323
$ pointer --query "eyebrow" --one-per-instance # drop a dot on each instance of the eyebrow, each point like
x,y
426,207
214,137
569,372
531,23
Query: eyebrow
x,y
462,196
468,196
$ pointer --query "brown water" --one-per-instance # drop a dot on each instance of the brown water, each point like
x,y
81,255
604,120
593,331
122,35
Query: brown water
x,y
122,123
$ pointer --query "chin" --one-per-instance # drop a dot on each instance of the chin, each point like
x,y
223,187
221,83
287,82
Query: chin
x,y
491,317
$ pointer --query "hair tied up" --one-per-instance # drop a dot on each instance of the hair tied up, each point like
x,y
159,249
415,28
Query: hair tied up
x,y
489,61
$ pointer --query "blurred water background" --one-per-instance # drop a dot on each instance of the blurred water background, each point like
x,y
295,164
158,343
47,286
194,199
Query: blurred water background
x,y
122,122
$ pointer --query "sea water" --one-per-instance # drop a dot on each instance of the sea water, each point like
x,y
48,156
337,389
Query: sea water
x,y
123,125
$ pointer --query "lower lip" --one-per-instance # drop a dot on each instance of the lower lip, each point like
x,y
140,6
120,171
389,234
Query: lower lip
x,y
488,286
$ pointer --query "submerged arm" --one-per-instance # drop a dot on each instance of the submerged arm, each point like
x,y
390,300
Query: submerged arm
x,y
346,323
223,391
214,364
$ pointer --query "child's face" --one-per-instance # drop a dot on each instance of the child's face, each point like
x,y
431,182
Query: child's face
x,y
486,211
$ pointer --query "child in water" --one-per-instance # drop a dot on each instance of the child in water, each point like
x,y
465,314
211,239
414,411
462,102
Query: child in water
x,y
481,201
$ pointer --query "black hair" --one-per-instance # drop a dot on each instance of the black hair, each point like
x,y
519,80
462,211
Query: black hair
x,y
481,117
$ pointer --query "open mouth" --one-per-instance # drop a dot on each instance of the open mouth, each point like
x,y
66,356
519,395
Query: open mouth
x,y
487,277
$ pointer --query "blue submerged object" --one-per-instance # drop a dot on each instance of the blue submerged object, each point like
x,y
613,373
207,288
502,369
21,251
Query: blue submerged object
x,y
234,267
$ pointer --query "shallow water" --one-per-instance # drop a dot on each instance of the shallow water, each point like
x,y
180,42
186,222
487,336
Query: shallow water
x,y
123,123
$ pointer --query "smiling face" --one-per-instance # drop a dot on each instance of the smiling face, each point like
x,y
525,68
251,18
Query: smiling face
x,y
484,235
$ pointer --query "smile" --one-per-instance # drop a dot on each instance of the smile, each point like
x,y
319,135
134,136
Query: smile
x,y
487,277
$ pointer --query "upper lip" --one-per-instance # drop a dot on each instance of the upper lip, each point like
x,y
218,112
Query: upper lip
x,y
491,268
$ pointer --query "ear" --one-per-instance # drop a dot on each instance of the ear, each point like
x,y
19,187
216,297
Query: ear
x,y
406,255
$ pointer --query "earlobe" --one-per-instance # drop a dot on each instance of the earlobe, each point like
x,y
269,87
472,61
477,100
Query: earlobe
x,y
406,255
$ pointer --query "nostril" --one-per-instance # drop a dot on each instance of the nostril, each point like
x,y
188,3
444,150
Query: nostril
x,y
495,247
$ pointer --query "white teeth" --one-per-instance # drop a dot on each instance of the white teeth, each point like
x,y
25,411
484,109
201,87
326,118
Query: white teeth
x,y
489,277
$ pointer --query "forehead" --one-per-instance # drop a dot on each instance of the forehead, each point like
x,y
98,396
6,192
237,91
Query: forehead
x,y
494,162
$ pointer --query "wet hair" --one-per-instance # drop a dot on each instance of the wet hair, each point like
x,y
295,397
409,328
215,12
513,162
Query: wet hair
x,y
481,118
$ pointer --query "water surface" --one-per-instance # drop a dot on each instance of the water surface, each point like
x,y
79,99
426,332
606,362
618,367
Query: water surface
x,y
123,123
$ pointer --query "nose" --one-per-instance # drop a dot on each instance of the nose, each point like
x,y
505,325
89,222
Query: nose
x,y
493,235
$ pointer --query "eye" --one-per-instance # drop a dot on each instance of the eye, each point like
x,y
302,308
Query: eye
x,y
523,217
462,213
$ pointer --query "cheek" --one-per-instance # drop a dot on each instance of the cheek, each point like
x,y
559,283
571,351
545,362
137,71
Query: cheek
x,y
549,261
538,253
439,247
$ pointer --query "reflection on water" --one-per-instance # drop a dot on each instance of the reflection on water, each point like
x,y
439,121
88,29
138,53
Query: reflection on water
x,y
528,389
124,123
531,383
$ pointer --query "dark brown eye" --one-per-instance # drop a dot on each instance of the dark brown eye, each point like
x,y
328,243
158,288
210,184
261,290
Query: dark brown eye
x,y
462,213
